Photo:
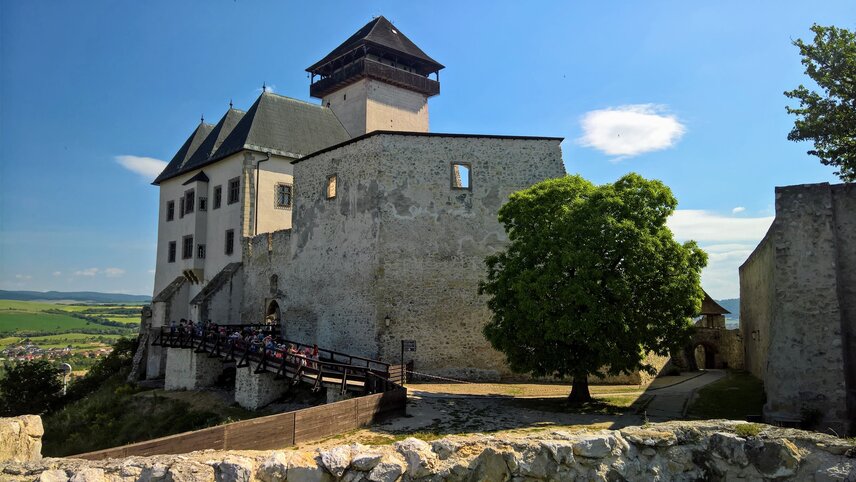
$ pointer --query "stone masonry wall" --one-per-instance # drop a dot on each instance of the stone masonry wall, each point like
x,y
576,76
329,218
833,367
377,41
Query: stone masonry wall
x,y
798,306
674,451
757,295
188,370
805,365
433,240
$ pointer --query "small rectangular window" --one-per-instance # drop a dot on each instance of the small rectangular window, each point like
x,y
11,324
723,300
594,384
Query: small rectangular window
x,y
200,251
234,190
181,207
218,196
461,176
170,210
189,201
171,253
203,204
283,195
187,247
330,190
230,241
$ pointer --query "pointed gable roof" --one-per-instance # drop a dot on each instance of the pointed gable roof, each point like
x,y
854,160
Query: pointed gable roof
x,y
711,307
284,126
190,146
274,124
382,34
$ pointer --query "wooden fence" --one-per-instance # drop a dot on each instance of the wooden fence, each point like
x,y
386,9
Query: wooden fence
x,y
273,431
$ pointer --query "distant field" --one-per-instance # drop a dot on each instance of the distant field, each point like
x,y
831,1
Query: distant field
x,y
78,341
27,318
38,322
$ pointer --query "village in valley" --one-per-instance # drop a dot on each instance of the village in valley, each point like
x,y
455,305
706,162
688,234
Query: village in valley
x,y
342,291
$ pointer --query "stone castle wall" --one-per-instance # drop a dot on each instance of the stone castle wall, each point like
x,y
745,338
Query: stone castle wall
x,y
806,305
711,450
398,243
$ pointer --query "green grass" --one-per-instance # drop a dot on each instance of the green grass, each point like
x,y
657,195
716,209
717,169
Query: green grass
x,y
28,322
34,306
747,429
132,320
734,397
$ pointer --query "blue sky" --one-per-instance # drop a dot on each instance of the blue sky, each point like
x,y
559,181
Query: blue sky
x,y
694,89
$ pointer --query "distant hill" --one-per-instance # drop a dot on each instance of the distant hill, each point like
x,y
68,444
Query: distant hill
x,y
732,305
75,296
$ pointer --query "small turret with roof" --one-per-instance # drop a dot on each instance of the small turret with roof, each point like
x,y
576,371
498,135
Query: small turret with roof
x,y
377,79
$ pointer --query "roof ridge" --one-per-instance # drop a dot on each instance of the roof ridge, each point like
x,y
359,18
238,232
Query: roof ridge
x,y
293,99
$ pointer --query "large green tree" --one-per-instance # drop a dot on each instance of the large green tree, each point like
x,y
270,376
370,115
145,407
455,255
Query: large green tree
x,y
828,117
31,387
591,280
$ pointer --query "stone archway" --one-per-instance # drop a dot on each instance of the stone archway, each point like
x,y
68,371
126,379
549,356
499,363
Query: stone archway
x,y
273,313
705,355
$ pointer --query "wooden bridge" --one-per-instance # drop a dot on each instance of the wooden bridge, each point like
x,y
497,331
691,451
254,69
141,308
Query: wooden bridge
x,y
331,369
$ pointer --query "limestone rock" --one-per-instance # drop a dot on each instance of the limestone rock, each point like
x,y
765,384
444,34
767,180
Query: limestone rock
x,y
649,437
389,469
273,468
418,455
561,451
444,448
594,446
55,475
189,471
730,447
303,467
90,474
337,460
774,458
21,438
489,466
366,461
233,469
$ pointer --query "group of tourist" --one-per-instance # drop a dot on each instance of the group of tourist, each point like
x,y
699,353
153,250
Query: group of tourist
x,y
258,339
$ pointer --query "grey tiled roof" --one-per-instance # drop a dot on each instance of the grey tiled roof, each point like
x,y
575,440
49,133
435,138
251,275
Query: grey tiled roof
x,y
274,124
181,158
382,33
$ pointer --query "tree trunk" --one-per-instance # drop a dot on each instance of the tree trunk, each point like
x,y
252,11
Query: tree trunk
x,y
580,390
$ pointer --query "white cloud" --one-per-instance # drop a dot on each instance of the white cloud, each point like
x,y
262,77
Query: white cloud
x,y
87,272
629,130
148,167
113,272
151,271
705,226
271,88
57,273
738,209
24,277
728,242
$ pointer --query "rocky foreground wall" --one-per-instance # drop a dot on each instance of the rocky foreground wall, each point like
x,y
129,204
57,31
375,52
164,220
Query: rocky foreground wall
x,y
21,439
710,450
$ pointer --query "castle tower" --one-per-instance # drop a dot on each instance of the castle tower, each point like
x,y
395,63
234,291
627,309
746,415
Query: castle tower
x,y
377,80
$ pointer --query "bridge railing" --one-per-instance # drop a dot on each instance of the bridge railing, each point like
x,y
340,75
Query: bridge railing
x,y
331,367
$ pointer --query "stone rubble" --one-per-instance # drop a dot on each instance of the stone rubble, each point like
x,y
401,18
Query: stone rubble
x,y
708,450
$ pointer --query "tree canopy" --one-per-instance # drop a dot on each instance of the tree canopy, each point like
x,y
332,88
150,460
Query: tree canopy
x,y
591,280
31,387
828,117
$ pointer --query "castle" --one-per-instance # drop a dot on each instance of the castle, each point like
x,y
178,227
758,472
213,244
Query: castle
x,y
346,221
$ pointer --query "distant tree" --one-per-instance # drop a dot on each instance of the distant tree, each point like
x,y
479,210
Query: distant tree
x,y
592,279
829,117
31,387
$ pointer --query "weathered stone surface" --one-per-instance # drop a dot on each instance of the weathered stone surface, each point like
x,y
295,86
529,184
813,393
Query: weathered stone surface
x,y
366,461
55,475
273,468
418,455
595,447
21,438
389,469
337,460
704,450
649,437
233,469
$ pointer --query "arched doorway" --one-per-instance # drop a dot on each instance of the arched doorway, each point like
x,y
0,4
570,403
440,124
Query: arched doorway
x,y
273,313
705,356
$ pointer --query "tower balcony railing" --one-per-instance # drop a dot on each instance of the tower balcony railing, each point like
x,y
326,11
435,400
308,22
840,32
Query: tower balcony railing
x,y
364,67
